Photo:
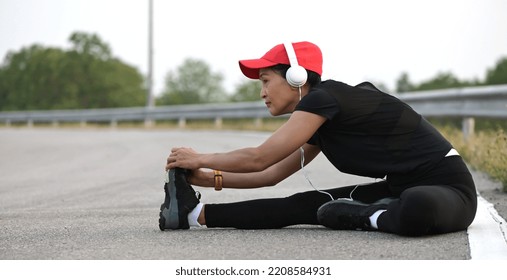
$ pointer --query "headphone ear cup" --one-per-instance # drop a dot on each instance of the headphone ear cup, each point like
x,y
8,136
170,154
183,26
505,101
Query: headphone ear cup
x,y
296,76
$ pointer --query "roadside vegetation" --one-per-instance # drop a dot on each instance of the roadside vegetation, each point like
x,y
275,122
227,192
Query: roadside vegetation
x,y
485,150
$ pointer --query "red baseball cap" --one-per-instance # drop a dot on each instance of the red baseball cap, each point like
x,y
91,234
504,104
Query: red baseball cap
x,y
308,54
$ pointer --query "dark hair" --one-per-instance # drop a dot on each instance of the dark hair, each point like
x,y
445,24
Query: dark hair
x,y
313,78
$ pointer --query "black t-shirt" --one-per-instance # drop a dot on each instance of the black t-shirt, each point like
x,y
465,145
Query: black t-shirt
x,y
371,133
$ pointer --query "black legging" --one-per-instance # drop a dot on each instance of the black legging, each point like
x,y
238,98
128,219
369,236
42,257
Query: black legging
x,y
443,201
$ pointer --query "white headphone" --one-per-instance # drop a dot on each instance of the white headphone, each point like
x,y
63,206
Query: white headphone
x,y
296,75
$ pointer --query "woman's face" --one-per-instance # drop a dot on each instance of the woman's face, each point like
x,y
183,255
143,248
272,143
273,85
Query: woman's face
x,y
278,95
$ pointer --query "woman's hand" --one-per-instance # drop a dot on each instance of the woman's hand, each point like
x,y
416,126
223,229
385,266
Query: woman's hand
x,y
184,158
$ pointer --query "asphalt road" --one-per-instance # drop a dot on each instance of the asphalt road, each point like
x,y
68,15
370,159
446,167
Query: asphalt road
x,y
95,194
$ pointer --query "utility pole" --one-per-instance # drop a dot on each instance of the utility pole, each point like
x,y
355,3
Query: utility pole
x,y
149,86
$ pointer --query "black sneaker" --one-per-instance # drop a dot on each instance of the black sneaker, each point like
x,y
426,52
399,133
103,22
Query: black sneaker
x,y
347,214
180,199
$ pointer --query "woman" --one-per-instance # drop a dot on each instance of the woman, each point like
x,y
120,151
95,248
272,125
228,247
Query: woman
x,y
424,187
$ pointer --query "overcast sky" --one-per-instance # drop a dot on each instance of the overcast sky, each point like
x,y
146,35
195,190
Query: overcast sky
x,y
360,39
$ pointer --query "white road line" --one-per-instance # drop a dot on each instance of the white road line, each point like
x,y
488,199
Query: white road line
x,y
488,233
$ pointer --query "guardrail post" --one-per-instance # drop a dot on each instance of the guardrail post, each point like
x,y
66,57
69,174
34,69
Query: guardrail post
x,y
149,123
114,123
218,122
29,123
468,125
54,123
182,122
258,122
8,123
82,123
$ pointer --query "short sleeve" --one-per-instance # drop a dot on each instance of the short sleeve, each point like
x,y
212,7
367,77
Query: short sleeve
x,y
319,102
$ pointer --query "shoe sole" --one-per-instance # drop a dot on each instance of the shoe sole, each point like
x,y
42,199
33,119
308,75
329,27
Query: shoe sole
x,y
169,217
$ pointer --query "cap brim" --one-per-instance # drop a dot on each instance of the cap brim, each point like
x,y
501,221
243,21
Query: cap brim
x,y
250,67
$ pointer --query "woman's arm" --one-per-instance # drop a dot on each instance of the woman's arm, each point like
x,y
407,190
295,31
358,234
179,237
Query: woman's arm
x,y
268,177
283,143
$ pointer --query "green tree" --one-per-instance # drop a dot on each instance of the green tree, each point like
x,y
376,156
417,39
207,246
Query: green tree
x,y
86,76
193,82
31,78
103,81
247,91
498,74
403,83
440,81
90,45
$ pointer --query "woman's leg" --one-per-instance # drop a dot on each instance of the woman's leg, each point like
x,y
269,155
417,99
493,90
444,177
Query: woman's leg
x,y
300,208
426,210
444,202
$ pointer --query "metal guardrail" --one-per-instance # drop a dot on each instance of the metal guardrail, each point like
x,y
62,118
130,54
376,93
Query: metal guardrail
x,y
485,101
201,111
470,102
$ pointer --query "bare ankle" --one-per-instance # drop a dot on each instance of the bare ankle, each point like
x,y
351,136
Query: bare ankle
x,y
201,219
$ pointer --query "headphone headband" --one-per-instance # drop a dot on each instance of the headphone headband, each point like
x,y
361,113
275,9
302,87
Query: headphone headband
x,y
291,53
